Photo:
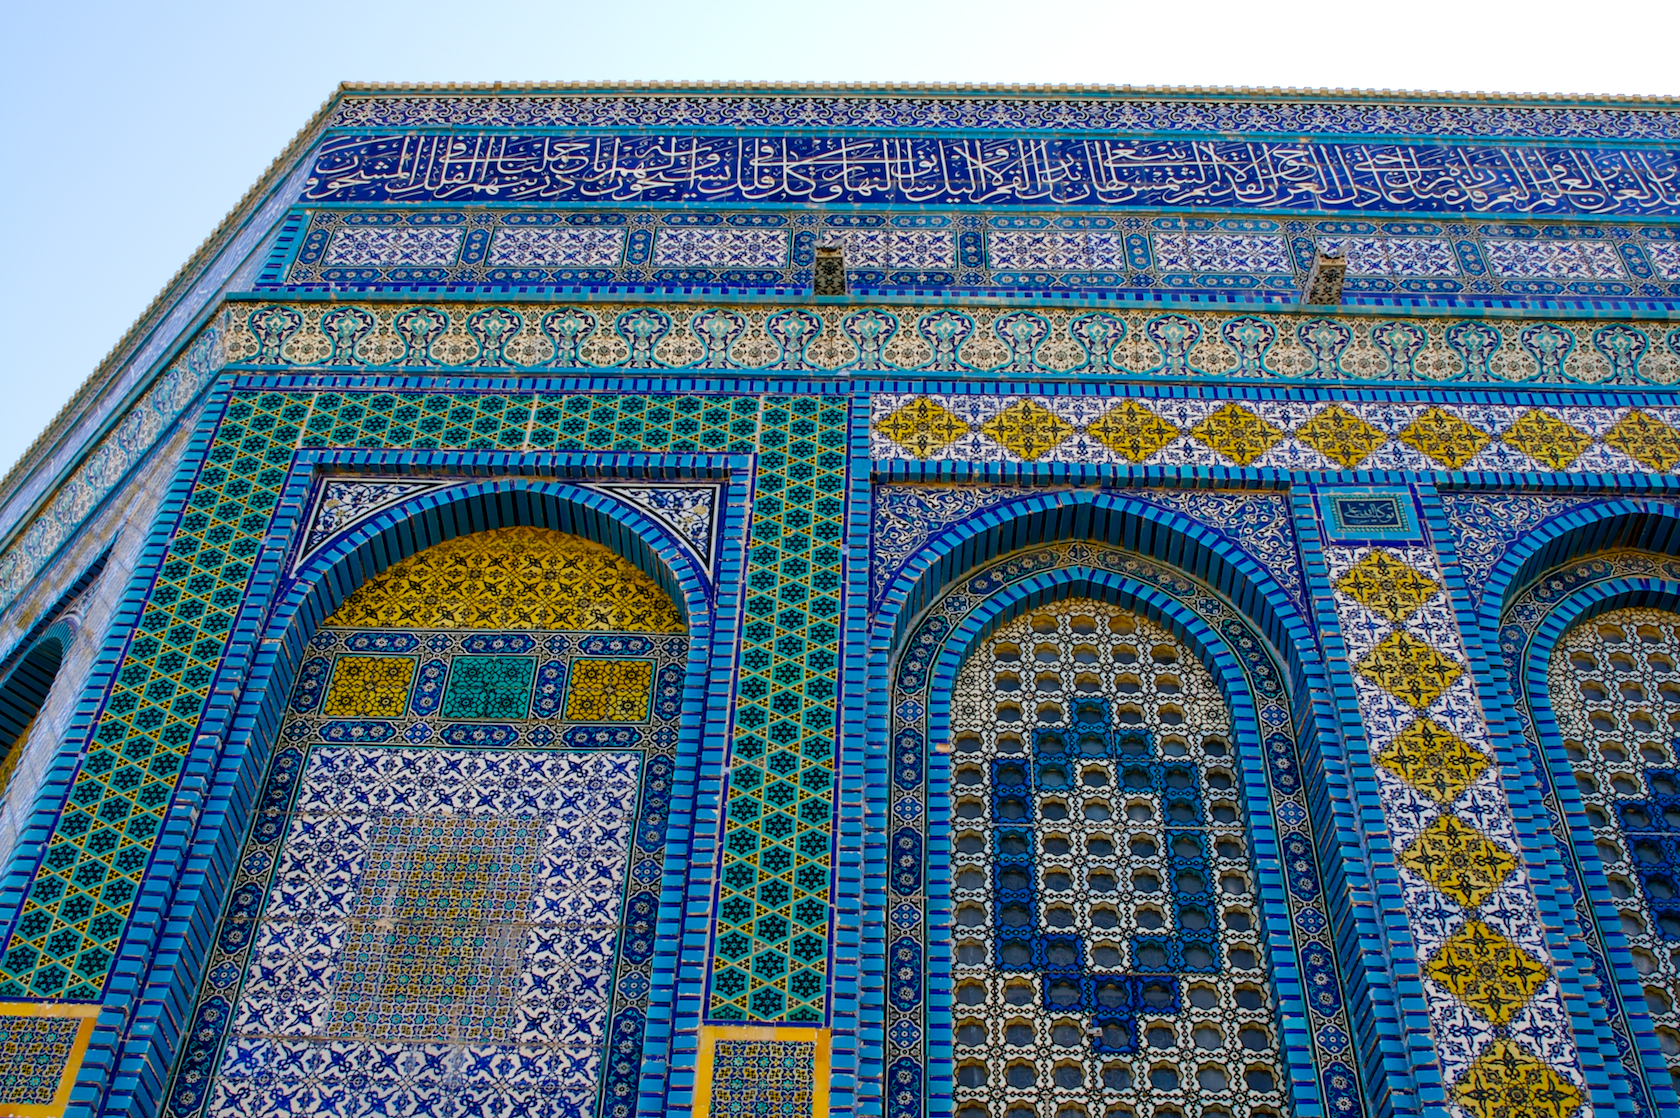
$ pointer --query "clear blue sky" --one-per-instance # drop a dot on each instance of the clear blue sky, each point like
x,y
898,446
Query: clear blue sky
x,y
131,129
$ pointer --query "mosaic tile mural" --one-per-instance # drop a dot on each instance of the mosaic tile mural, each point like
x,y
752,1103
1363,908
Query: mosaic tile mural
x,y
980,251
957,847
64,940
446,902
1501,1031
1099,1017
1052,341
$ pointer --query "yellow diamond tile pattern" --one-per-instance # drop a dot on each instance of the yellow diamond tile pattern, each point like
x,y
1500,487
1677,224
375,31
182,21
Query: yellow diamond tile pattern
x,y
1237,433
1434,760
1347,434
1509,1081
1132,431
1546,439
1459,861
1444,437
1489,973
1387,586
1478,969
924,427
1409,670
1340,436
1647,440
1028,429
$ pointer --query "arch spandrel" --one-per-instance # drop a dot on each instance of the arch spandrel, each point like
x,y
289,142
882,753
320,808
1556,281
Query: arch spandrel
x,y
458,845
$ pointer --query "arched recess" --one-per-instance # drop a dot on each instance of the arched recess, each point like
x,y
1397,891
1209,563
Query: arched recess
x,y
1296,914
1594,718
254,767
24,692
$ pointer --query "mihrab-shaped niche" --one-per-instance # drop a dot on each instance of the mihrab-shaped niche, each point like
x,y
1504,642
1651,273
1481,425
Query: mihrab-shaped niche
x,y
448,897
1107,954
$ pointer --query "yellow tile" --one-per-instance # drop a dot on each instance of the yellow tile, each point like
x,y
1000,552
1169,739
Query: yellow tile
x,y
1509,1081
369,687
1386,586
609,691
1434,760
1444,437
1237,433
1489,973
762,1069
1028,430
1132,431
46,1043
1647,440
512,578
1340,436
924,427
1409,670
1458,860
1546,439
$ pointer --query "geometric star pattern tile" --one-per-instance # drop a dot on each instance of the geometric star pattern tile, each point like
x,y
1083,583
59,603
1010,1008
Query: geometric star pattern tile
x,y
1458,860
65,939
1488,972
1408,669
1434,760
1311,435
771,940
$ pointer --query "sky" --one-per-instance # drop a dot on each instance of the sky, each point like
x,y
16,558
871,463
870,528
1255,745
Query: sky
x,y
148,122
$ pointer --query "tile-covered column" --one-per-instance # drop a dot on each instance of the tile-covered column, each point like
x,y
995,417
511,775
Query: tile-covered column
x,y
1500,1031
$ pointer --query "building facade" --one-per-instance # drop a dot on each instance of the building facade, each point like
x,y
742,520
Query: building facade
x,y
892,602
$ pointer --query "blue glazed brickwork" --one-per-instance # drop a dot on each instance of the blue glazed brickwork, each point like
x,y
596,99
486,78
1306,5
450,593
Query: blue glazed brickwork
x,y
1090,683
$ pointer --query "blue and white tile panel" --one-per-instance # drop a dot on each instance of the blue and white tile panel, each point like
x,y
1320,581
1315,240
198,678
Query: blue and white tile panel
x,y
1542,1025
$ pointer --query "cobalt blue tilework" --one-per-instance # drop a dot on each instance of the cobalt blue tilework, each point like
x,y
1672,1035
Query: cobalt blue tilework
x,y
1136,254
933,810
1090,683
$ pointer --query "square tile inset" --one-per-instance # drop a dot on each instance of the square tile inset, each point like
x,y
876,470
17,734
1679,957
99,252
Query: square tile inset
x,y
609,691
369,687
437,938
489,687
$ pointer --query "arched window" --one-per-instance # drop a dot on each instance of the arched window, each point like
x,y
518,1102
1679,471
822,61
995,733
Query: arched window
x,y
448,896
23,695
1614,682
1107,961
